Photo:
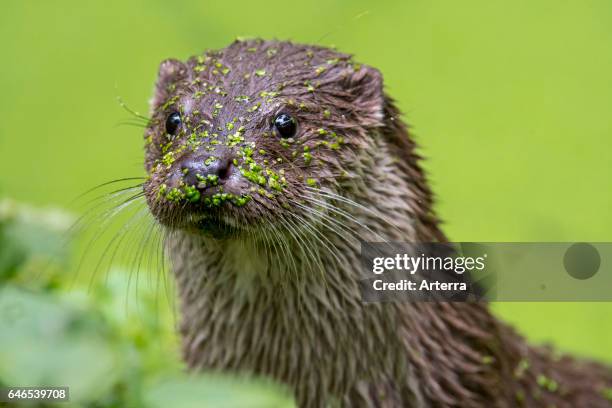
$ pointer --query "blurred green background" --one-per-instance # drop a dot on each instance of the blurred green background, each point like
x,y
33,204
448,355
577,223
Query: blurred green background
x,y
509,101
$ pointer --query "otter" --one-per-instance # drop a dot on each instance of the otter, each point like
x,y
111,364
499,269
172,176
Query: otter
x,y
268,163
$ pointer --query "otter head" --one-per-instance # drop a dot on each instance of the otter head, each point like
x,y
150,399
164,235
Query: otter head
x,y
243,137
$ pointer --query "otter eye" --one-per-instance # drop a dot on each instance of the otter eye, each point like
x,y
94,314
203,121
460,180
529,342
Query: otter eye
x,y
285,125
173,121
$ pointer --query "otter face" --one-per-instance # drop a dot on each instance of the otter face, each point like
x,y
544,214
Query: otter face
x,y
241,136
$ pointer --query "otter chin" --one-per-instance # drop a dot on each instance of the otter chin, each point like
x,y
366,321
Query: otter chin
x,y
270,162
216,227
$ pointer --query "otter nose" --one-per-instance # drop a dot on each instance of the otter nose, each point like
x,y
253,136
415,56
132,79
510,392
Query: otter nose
x,y
205,171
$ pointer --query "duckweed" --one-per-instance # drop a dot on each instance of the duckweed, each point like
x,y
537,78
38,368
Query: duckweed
x,y
547,383
192,194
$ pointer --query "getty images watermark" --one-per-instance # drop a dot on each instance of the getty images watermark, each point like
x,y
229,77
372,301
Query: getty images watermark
x,y
486,271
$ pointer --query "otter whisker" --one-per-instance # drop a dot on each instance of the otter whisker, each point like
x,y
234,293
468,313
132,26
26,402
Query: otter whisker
x,y
102,227
110,196
348,201
267,246
118,239
131,123
106,184
132,112
79,225
115,196
89,214
167,235
294,231
342,213
320,236
160,266
315,234
325,217
92,215
280,256
286,251
288,260
137,262
138,247
135,266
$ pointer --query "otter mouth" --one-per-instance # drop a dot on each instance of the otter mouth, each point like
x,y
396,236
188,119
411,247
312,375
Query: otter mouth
x,y
215,226
215,212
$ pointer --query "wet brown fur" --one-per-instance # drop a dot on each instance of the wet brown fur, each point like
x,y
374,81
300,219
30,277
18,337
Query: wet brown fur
x,y
274,298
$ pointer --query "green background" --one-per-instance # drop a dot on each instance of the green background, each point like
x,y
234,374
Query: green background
x,y
510,102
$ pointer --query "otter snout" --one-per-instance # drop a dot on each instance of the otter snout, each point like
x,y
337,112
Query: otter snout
x,y
197,169
202,171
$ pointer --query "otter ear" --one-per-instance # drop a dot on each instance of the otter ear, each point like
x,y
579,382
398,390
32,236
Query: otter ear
x,y
365,84
170,72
